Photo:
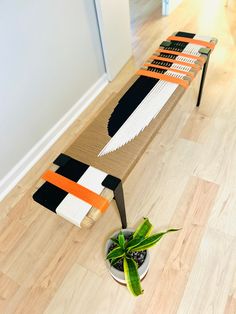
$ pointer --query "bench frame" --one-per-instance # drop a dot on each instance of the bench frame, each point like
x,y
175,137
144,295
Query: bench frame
x,y
206,52
115,184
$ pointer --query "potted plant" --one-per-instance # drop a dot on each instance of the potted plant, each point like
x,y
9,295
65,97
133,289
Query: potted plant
x,y
127,254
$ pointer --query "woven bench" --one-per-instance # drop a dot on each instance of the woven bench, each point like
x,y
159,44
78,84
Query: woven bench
x,y
89,174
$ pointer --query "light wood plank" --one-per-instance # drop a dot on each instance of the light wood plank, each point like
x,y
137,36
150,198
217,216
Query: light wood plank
x,y
50,278
7,290
73,291
196,203
218,156
209,282
230,307
194,127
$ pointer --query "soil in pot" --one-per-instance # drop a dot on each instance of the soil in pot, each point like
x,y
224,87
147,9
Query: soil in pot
x,y
139,257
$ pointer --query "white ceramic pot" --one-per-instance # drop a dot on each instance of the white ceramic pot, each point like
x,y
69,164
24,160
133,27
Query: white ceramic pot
x,y
119,275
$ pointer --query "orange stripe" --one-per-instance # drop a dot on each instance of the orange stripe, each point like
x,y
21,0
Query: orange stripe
x,y
192,65
76,189
192,41
164,77
190,74
202,59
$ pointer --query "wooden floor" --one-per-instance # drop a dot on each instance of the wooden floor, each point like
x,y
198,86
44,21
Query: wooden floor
x,y
188,181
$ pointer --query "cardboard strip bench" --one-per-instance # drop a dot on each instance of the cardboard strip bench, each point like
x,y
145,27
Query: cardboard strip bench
x,y
89,174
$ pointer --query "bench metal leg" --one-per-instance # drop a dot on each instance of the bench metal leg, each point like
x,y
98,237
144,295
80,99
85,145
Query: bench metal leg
x,y
120,202
115,185
204,70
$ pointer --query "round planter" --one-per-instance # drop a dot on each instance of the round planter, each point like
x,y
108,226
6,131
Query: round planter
x,y
117,274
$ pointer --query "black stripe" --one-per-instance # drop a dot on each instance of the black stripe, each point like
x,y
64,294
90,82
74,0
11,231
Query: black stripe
x,y
162,63
157,70
129,102
111,182
184,34
141,87
51,196
61,160
178,45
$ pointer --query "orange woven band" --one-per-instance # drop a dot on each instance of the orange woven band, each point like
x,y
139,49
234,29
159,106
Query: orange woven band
x,y
181,54
193,41
192,65
190,74
164,77
77,190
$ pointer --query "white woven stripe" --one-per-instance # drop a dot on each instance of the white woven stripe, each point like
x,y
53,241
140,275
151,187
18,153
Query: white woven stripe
x,y
74,209
151,105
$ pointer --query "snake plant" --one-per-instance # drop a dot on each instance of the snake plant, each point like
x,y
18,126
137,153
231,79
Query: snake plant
x,y
140,240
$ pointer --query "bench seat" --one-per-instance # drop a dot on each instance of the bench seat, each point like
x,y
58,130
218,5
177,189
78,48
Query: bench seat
x,y
119,163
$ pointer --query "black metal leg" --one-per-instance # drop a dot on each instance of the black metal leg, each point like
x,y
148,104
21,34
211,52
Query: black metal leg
x,y
115,185
120,202
204,70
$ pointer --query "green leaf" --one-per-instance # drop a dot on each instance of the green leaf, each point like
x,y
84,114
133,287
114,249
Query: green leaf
x,y
115,260
132,276
143,230
121,240
115,241
134,242
151,241
115,253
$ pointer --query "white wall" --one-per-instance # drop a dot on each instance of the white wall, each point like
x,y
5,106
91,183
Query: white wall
x,y
169,5
114,25
50,55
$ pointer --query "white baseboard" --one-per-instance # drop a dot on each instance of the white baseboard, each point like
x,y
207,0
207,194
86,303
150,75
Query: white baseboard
x,y
26,163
